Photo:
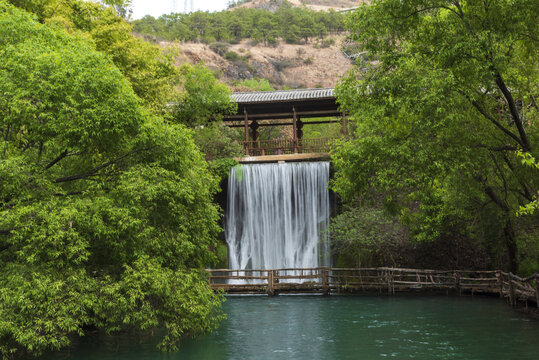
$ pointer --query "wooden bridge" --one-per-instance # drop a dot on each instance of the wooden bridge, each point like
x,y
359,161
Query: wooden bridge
x,y
285,108
389,281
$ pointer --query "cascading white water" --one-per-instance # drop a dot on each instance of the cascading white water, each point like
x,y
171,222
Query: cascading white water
x,y
277,215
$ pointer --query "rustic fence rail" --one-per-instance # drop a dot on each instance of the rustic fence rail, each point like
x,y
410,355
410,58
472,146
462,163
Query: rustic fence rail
x,y
381,280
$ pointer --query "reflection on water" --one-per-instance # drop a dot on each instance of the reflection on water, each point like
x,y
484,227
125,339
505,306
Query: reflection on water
x,y
312,328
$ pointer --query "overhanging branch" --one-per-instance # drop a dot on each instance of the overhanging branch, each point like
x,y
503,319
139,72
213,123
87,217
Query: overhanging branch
x,y
495,122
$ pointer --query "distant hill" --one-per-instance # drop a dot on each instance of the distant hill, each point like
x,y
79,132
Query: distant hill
x,y
310,65
291,44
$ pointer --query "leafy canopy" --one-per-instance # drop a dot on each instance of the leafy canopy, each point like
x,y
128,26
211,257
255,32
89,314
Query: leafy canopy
x,y
440,114
106,214
149,70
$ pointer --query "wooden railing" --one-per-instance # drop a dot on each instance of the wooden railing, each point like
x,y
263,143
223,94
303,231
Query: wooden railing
x,y
381,280
287,146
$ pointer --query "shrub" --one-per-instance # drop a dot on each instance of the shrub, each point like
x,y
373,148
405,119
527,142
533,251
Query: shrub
x,y
308,61
283,64
232,56
327,42
220,48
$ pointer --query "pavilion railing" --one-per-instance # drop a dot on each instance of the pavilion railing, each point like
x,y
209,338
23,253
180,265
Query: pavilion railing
x,y
287,146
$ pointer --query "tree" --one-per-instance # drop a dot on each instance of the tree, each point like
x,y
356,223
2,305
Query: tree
x,y
442,113
122,7
106,217
150,71
202,99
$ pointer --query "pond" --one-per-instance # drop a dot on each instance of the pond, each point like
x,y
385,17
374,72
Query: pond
x,y
343,327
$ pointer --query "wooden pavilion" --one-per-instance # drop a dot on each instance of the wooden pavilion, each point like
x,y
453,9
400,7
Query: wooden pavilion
x,y
284,108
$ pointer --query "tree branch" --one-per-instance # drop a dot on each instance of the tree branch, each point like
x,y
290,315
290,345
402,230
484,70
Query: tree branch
x,y
95,170
514,111
492,194
527,191
500,171
55,161
499,148
495,122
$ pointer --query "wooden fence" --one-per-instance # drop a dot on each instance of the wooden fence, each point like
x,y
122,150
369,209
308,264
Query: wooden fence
x,y
287,146
379,280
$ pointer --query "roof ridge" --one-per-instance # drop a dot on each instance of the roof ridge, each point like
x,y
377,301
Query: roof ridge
x,y
288,90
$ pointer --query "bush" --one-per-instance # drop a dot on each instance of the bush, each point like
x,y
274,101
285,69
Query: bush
x,y
327,43
283,64
220,48
256,84
308,61
232,56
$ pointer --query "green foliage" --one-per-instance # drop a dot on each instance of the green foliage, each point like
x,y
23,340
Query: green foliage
x,y
438,118
106,214
367,234
232,56
220,48
150,71
238,171
202,98
290,24
218,141
256,84
528,160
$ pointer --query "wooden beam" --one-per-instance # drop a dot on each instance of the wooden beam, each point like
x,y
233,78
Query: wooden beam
x,y
287,115
295,129
246,124
288,124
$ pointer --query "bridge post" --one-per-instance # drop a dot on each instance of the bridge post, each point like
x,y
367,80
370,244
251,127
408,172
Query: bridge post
x,y
295,130
512,299
300,135
271,282
457,282
500,282
246,125
325,282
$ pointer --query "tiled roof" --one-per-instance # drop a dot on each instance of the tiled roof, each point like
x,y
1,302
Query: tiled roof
x,y
282,95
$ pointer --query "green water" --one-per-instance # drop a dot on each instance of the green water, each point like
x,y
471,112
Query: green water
x,y
338,327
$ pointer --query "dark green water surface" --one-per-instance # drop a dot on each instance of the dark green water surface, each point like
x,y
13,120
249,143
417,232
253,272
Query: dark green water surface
x,y
338,327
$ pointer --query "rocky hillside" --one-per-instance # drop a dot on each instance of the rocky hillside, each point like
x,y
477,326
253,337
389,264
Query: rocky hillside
x,y
319,63
295,47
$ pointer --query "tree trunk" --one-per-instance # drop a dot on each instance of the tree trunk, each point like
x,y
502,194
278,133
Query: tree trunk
x,y
511,245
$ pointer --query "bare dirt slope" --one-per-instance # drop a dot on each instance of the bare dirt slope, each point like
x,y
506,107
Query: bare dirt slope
x,y
286,65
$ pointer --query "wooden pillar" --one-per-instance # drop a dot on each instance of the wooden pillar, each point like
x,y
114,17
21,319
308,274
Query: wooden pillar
x,y
246,125
295,130
325,282
271,282
500,282
389,277
300,134
254,128
457,282
344,124
512,299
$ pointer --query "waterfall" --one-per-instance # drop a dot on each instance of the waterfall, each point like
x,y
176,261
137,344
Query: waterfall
x,y
277,215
